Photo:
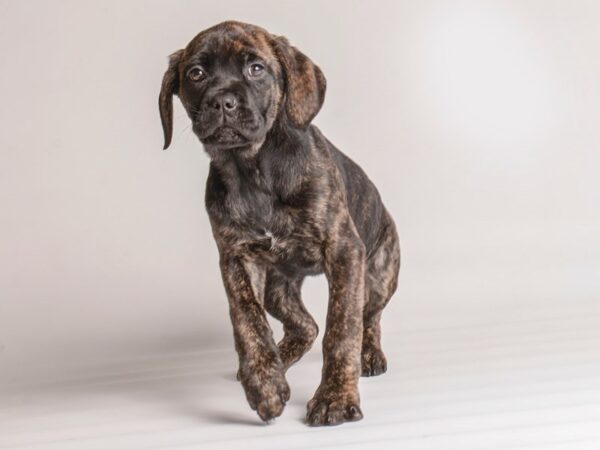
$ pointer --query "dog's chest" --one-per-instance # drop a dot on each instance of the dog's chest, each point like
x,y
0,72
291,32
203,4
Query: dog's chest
x,y
277,234
258,217
293,253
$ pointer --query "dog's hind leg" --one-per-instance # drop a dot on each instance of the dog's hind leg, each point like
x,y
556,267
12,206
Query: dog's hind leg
x,y
381,282
283,301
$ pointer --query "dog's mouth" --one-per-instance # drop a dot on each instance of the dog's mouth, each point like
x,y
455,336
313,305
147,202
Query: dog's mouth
x,y
223,133
225,136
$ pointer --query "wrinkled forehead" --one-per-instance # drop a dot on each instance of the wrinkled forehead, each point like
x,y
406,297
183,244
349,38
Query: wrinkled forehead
x,y
231,40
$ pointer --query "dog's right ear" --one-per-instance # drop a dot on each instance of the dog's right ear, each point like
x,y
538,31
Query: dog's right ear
x,y
170,86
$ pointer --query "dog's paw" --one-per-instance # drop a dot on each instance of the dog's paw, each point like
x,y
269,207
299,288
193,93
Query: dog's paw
x,y
271,406
333,410
373,362
267,395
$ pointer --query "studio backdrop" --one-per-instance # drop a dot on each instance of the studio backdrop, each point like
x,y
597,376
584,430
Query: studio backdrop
x,y
477,121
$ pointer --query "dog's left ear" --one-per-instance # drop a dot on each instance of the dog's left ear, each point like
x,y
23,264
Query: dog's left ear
x,y
170,86
305,84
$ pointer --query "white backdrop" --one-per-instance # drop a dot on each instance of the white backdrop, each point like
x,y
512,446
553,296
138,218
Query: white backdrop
x,y
478,122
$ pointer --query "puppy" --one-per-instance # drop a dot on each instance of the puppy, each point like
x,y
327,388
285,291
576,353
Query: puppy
x,y
284,203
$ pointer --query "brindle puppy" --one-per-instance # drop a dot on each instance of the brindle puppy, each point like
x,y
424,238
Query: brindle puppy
x,y
284,203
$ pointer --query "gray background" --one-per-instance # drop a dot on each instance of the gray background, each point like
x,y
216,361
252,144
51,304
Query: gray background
x,y
478,122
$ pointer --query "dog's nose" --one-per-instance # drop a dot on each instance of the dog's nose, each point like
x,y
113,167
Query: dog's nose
x,y
228,102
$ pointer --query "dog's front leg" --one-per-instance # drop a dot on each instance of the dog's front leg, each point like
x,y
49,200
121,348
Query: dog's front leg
x,y
337,399
261,370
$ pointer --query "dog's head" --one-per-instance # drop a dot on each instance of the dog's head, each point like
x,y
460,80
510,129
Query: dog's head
x,y
235,81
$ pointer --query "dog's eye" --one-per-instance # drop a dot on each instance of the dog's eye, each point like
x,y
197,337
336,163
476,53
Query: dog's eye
x,y
256,69
196,73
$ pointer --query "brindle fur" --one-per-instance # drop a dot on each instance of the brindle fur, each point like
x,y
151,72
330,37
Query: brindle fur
x,y
284,203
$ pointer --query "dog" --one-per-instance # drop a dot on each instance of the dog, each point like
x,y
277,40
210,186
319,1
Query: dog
x,y
284,203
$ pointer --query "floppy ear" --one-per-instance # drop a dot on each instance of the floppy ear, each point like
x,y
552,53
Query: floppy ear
x,y
305,84
170,86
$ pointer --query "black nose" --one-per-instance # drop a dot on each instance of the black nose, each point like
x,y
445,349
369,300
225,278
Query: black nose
x,y
227,102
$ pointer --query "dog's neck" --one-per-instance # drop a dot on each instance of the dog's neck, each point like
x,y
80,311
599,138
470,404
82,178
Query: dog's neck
x,y
275,167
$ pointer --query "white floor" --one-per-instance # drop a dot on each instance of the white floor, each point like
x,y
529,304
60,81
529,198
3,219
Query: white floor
x,y
525,383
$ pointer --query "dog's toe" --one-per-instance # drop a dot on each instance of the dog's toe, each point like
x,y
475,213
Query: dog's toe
x,y
332,412
270,408
373,362
268,397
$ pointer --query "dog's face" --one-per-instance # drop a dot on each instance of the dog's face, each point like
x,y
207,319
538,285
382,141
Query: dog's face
x,y
235,81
